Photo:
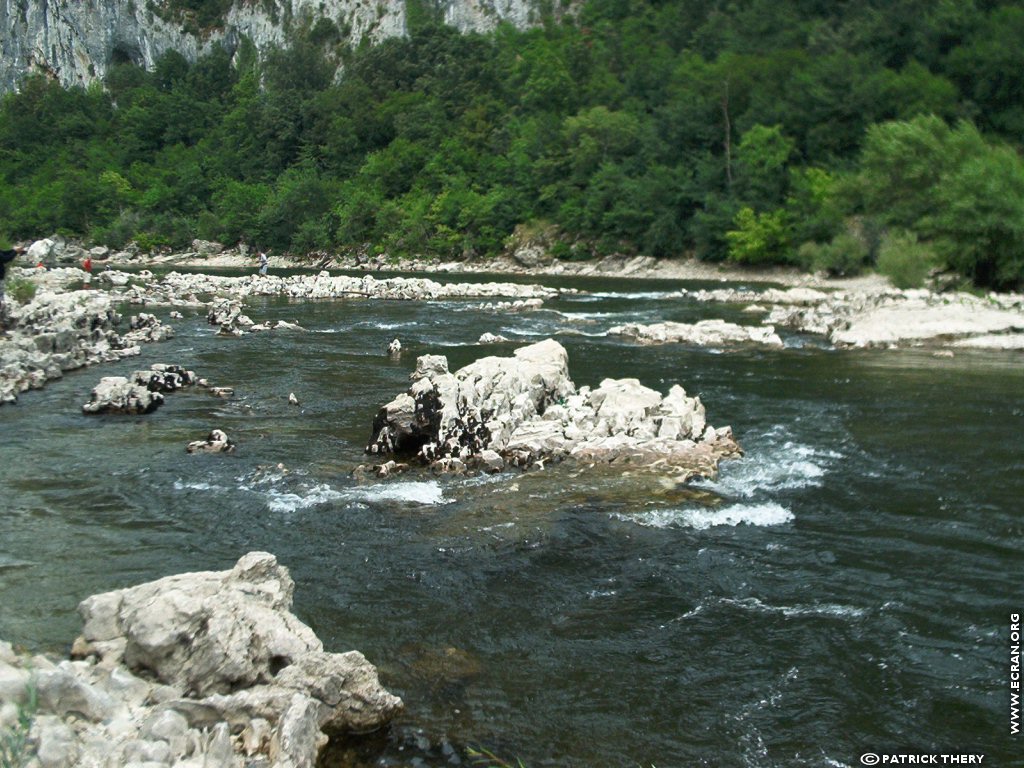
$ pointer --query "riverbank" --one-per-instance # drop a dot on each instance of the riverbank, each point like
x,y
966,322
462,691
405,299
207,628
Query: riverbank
x,y
527,261
65,327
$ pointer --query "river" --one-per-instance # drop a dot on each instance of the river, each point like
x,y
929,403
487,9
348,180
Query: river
x,y
844,588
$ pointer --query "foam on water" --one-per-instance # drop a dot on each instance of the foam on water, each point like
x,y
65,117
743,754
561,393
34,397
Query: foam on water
x,y
792,611
638,295
701,519
427,492
785,465
281,501
180,485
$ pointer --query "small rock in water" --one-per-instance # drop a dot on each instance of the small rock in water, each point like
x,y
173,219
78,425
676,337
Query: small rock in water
x,y
116,394
395,348
491,338
216,442
222,391
292,399
390,468
176,315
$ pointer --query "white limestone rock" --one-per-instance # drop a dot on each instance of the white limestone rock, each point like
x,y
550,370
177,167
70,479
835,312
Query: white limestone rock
x,y
523,410
706,333
116,394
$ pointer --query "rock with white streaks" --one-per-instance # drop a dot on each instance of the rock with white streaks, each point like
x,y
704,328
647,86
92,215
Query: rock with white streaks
x,y
525,409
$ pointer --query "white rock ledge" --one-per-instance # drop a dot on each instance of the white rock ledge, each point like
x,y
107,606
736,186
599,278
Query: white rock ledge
x,y
199,670
706,333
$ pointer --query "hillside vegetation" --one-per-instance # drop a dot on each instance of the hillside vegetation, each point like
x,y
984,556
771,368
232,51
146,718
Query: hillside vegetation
x,y
830,135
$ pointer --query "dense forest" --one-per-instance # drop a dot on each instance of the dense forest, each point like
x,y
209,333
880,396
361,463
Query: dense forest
x,y
833,135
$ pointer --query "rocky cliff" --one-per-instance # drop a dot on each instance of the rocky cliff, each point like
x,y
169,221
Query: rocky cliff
x,y
75,41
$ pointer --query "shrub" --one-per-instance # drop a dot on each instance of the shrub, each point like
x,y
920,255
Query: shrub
x,y
21,290
844,256
15,749
759,238
904,260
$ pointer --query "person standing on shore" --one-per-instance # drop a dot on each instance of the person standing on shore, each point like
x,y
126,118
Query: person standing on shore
x,y
264,263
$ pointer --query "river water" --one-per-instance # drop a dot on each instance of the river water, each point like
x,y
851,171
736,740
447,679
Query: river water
x,y
844,588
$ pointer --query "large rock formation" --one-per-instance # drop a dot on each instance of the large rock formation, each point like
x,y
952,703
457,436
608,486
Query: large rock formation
x,y
525,409
196,670
76,42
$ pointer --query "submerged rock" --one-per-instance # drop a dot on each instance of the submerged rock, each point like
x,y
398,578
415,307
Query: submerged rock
x,y
395,348
706,333
525,409
197,670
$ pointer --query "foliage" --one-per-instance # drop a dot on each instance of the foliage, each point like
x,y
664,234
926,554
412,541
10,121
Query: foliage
x,y
750,131
952,187
20,289
759,238
15,750
904,260
845,255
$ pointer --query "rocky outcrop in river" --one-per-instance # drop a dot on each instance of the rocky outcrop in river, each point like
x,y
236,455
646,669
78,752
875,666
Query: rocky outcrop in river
x,y
199,670
61,331
142,392
706,333
526,410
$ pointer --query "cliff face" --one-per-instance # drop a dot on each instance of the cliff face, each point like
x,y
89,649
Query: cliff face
x,y
75,41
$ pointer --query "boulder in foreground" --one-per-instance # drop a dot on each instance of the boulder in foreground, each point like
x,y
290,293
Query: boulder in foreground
x,y
525,410
196,670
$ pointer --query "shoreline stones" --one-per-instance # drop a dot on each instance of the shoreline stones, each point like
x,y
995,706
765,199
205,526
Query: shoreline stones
x,y
706,333
179,286
62,331
196,670
524,410
887,318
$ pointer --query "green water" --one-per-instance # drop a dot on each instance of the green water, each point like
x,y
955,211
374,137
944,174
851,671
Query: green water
x,y
846,587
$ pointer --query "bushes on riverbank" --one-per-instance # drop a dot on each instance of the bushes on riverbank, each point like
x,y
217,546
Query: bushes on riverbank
x,y
762,133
